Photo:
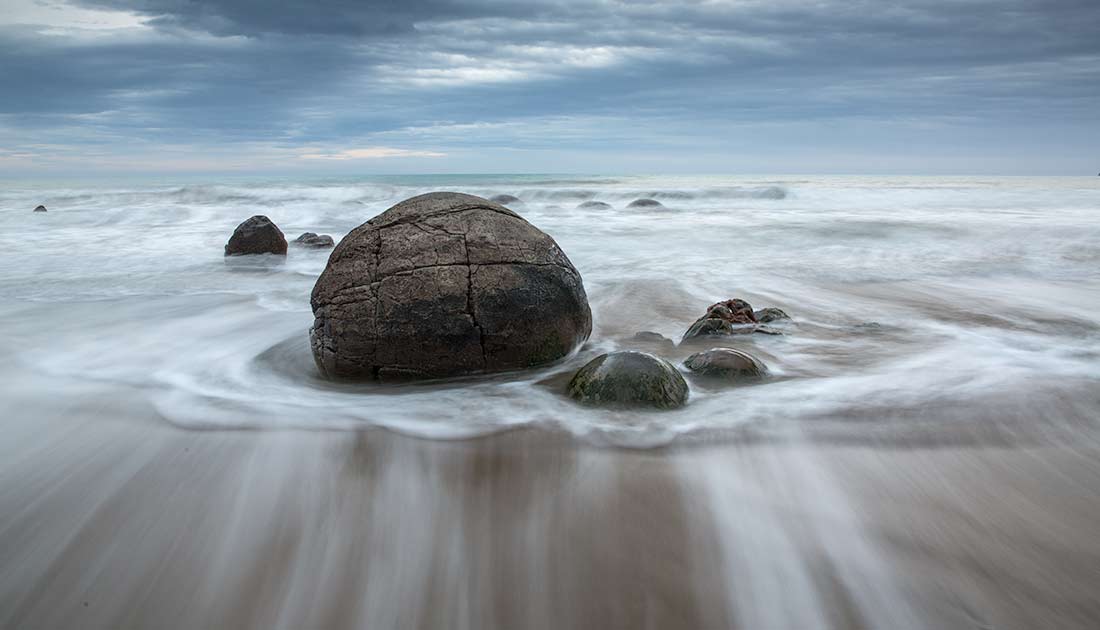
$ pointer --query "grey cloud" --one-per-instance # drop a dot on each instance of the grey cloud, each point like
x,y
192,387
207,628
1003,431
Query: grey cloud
x,y
342,71
329,17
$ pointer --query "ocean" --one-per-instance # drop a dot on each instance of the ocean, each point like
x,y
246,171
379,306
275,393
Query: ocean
x,y
921,455
973,296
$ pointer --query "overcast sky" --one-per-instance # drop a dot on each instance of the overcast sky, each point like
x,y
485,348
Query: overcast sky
x,y
739,86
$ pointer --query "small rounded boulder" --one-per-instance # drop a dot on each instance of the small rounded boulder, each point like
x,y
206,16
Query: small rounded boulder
x,y
317,241
629,379
257,235
771,314
445,284
594,205
726,363
505,200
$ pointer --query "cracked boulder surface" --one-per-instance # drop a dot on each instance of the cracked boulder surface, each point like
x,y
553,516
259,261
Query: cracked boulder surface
x,y
445,284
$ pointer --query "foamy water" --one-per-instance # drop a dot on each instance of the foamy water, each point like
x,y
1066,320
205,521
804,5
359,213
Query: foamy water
x,y
927,311
918,303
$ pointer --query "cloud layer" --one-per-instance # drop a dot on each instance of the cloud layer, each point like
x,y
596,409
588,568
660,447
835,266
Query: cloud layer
x,y
597,85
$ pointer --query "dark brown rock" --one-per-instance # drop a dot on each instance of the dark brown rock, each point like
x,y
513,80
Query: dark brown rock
x,y
726,363
732,317
445,284
630,379
257,235
319,241
40,209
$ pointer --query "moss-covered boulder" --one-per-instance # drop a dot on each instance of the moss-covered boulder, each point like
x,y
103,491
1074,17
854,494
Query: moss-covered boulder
x,y
629,379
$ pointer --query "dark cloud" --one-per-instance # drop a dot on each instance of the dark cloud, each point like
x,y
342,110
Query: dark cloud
x,y
329,17
629,75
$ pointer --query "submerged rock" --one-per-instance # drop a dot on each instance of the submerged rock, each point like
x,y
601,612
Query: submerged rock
x,y
629,378
650,336
257,235
445,284
653,340
40,209
594,205
505,199
319,241
726,363
770,314
733,317
645,203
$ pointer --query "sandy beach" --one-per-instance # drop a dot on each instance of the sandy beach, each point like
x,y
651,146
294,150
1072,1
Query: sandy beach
x,y
111,519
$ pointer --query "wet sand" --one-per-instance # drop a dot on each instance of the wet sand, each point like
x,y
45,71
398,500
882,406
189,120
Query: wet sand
x,y
109,518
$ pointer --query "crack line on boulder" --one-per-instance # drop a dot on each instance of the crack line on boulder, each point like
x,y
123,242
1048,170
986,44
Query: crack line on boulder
x,y
470,305
376,292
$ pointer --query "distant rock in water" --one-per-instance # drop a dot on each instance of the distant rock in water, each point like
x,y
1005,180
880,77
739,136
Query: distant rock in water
x,y
732,317
629,379
257,235
319,241
40,209
504,200
726,363
445,284
645,203
594,205
771,314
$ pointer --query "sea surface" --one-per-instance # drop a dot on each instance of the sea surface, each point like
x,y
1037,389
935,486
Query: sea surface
x,y
974,297
925,453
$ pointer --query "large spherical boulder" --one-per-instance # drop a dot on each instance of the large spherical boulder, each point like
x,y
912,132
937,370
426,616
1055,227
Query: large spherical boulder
x,y
629,378
257,235
645,203
40,208
726,363
445,284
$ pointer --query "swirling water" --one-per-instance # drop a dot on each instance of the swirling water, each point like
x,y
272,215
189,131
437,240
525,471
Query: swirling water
x,y
927,311
906,293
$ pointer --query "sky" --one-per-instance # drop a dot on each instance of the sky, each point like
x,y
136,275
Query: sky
x,y
564,86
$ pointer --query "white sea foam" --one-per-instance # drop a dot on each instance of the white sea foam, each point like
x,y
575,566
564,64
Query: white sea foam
x,y
960,294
